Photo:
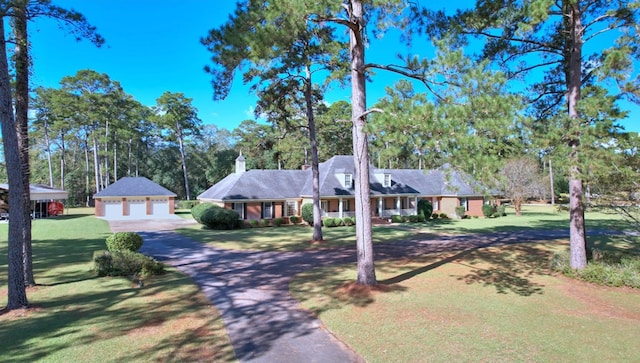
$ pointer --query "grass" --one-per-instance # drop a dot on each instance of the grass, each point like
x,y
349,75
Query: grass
x,y
498,304
75,316
290,238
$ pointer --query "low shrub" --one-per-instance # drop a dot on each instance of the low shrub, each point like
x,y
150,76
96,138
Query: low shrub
x,y
444,215
496,215
217,217
348,221
339,222
199,210
396,218
253,223
607,270
121,241
126,263
329,222
435,216
487,210
502,210
415,218
187,204
294,219
277,222
460,211
265,223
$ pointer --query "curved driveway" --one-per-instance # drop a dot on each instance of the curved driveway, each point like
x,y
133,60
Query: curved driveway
x,y
250,289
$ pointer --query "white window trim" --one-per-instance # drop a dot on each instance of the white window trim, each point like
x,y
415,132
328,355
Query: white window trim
x,y
348,180
387,180
239,210
263,215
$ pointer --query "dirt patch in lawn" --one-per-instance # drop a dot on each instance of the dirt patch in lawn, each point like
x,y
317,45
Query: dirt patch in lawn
x,y
150,225
595,302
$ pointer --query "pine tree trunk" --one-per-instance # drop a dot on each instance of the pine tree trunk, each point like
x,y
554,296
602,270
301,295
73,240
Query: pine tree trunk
x,y
16,294
184,161
21,56
578,242
552,189
317,214
364,245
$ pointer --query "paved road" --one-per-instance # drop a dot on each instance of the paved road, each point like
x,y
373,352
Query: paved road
x,y
250,289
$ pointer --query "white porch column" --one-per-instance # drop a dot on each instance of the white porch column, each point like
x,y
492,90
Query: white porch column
x,y
398,205
380,207
340,208
415,205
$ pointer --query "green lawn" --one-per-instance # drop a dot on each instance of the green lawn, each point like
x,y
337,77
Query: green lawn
x,y
76,316
498,304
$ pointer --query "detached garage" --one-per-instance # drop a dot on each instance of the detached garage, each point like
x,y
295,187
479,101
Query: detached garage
x,y
134,198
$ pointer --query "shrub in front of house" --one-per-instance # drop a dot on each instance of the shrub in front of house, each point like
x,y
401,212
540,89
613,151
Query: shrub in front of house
x,y
460,211
396,218
294,219
187,204
277,222
216,217
199,210
502,210
425,208
307,213
265,223
348,221
416,218
329,222
444,215
120,241
126,263
435,216
253,223
487,210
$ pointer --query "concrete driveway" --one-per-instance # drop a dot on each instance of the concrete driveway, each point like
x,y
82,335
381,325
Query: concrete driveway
x,y
150,225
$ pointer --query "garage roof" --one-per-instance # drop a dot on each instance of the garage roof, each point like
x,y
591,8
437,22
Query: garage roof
x,y
134,187
42,192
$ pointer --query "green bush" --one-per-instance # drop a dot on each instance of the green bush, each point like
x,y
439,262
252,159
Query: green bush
x,y
126,263
329,222
348,221
425,208
307,213
416,218
199,210
121,241
277,222
435,215
502,210
265,223
608,270
396,218
444,215
460,211
187,204
496,215
253,223
487,210
294,219
216,217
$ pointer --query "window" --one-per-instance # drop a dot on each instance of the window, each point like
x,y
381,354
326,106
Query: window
x,y
324,205
436,205
267,210
346,205
348,180
465,202
291,208
239,208
387,180
404,203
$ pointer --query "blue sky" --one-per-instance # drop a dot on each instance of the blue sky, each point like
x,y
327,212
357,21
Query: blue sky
x,y
153,46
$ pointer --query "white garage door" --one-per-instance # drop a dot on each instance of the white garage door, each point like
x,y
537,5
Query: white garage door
x,y
160,207
137,208
112,208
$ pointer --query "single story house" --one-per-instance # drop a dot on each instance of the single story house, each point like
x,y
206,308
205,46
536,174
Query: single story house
x,y
266,194
134,198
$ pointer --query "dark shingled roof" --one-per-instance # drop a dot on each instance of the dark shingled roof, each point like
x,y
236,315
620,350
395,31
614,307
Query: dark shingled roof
x,y
134,187
288,184
258,185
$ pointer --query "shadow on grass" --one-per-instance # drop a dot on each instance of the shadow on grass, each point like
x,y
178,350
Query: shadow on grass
x,y
100,311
